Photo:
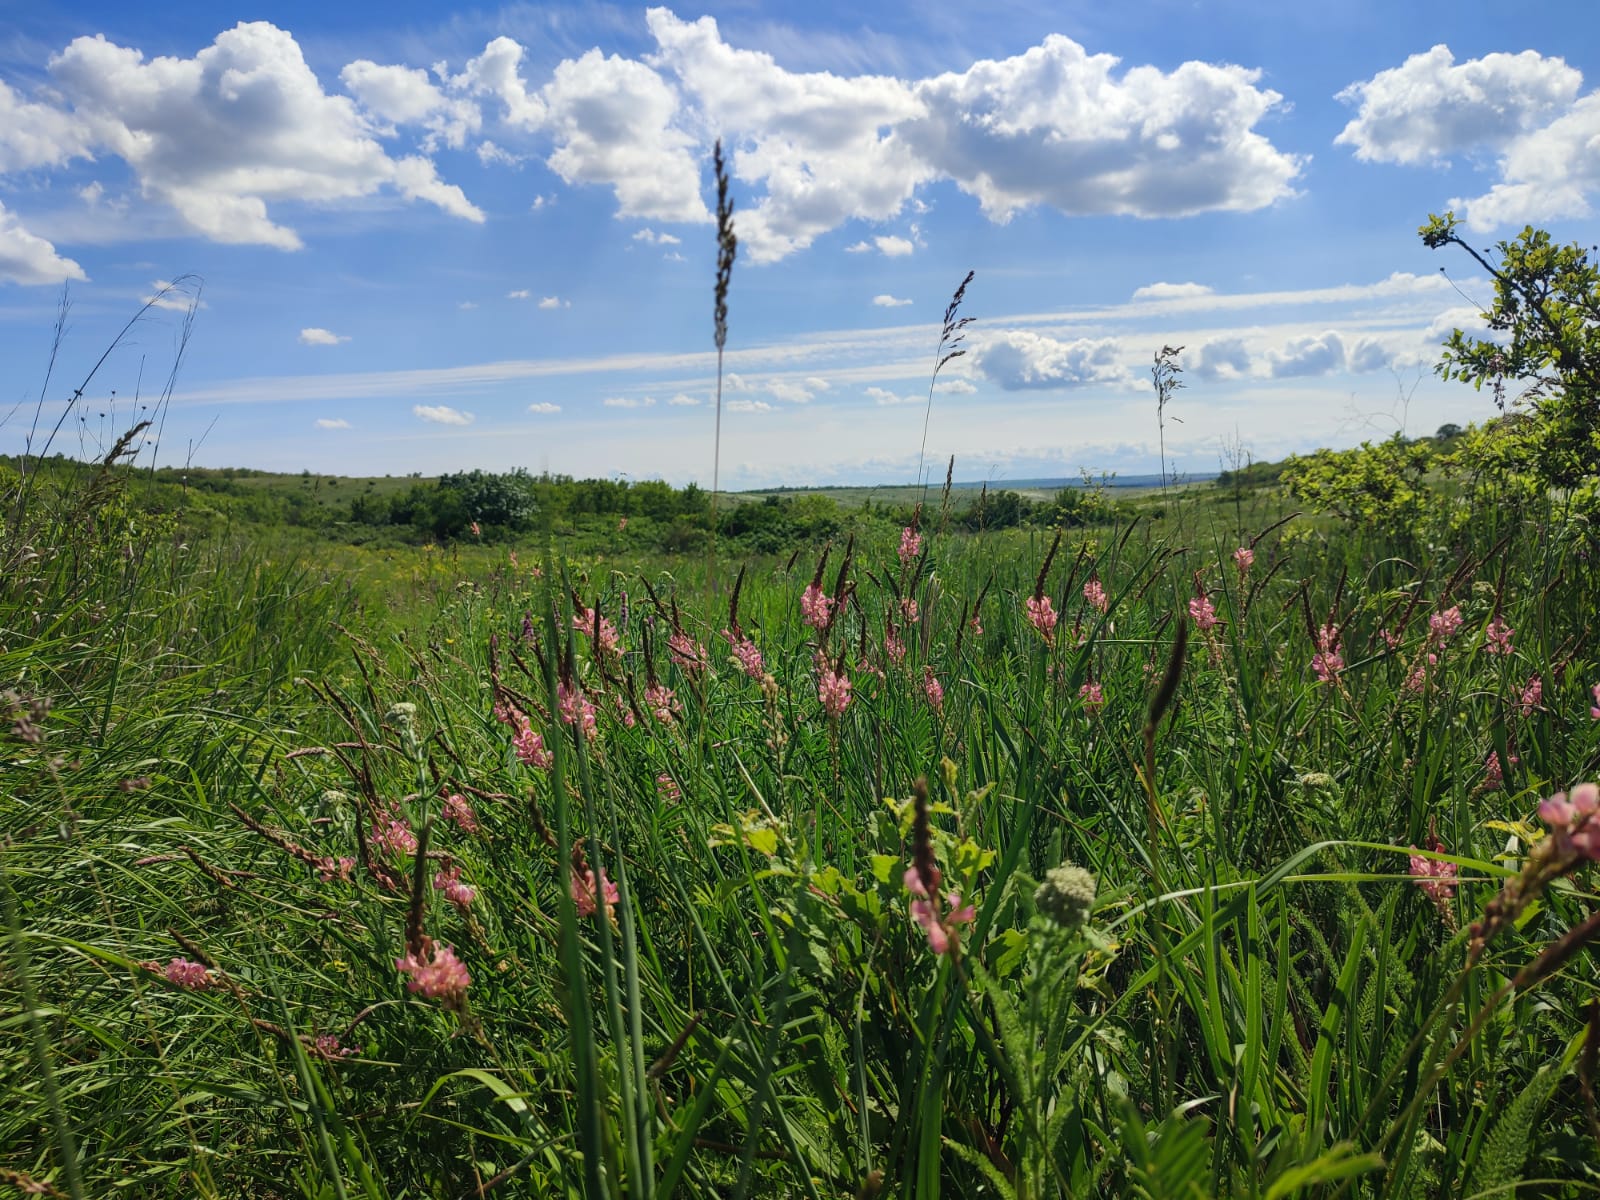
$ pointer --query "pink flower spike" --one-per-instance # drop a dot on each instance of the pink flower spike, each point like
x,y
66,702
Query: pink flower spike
x,y
1093,696
441,977
910,545
1594,709
1532,694
1557,812
815,607
458,893
188,975
1497,637
1244,558
933,689
1095,593
585,892
1437,879
459,812
1202,613
327,1046
833,690
1042,615
1443,625
1585,799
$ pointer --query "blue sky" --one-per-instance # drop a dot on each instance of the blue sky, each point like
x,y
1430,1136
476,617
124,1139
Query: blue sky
x,y
423,240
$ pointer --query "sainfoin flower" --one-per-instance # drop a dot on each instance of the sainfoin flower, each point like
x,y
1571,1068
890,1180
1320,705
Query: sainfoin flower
x,y
1443,625
1093,696
747,653
1497,637
329,869
459,812
1493,772
1042,615
458,893
1531,696
942,932
689,654
436,973
815,607
327,1046
1095,593
1244,558
933,689
585,890
393,835
1327,662
893,646
1594,709
667,788
1437,879
910,545
186,974
663,705
1202,613
586,621
833,689
1572,815
529,745
575,708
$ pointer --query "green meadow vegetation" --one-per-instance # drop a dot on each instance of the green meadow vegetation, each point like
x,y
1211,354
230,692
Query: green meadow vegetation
x,y
525,836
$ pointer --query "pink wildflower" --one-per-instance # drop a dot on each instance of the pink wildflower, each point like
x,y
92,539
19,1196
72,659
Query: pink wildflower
x,y
622,523
1042,615
459,812
1244,558
1202,613
689,654
893,646
529,745
458,893
327,1046
1532,694
909,610
624,713
1327,662
1493,772
667,788
662,704
438,975
747,653
1443,625
815,607
393,835
329,869
477,531
1093,696
190,975
942,933
1594,709
833,689
1390,638
977,631
910,545
1573,815
575,708
584,621
1436,879
1497,638
587,896
1095,593
1418,679
933,689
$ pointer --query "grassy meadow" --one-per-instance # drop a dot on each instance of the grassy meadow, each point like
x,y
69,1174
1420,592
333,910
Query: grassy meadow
x,y
1099,862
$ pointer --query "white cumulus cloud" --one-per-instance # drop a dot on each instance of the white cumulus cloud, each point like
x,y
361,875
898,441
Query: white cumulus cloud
x,y
321,337
888,301
442,414
544,406
884,396
29,259
1021,359
683,400
332,423
554,302
518,294
1171,291
240,126
629,402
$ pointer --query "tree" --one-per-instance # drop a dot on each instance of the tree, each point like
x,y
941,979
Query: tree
x,y
1545,330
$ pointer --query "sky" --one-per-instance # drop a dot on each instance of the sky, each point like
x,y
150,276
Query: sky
x,y
397,238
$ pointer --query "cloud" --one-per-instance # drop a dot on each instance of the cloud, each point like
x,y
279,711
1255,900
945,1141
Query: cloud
x,y
518,294
629,402
651,237
544,406
1020,359
541,202
332,423
28,259
1221,358
1170,291
954,385
241,125
887,301
754,406
466,305
1523,108
887,397
1314,355
38,135
893,247
490,155
1430,108
858,248
1055,126
554,302
682,400
176,297
406,96
442,414
321,337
